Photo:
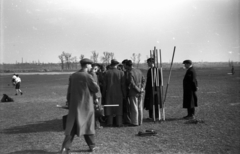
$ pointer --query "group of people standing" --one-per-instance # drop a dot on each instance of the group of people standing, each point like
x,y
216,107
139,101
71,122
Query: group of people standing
x,y
121,91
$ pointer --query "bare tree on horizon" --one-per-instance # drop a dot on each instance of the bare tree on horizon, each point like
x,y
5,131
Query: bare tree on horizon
x,y
94,56
61,57
81,56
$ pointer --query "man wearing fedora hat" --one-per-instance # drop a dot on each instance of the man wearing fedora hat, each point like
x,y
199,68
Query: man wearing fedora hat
x,y
80,118
114,93
190,86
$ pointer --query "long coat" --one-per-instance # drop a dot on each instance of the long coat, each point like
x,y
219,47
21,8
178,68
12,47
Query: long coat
x,y
148,101
114,91
190,85
136,82
81,108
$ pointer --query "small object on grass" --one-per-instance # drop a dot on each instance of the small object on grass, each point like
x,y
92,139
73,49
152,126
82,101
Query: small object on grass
x,y
194,121
6,98
147,133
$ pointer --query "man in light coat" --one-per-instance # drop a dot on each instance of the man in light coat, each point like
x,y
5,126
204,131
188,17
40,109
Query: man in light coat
x,y
136,85
114,92
80,119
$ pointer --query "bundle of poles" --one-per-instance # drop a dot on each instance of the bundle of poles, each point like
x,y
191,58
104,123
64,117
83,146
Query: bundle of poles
x,y
157,83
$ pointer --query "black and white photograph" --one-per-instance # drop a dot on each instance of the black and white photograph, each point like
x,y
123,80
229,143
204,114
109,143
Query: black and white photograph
x,y
119,76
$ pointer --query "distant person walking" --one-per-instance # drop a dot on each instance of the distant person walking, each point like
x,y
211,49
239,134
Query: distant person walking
x,y
190,86
17,85
232,70
114,93
135,93
80,118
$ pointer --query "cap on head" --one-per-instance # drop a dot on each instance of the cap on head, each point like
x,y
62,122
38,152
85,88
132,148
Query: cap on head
x,y
129,63
86,61
187,62
124,61
150,60
114,62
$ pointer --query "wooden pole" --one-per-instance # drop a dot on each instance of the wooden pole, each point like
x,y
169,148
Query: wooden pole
x,y
163,107
169,74
153,87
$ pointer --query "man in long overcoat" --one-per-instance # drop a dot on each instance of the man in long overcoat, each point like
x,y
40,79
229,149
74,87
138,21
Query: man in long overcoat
x,y
80,119
126,104
114,93
136,85
149,96
190,86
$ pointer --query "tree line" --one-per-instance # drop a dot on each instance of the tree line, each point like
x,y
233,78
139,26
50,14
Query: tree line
x,y
67,61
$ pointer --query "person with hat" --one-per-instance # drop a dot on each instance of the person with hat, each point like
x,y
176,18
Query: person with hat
x,y
126,105
136,85
113,94
97,96
81,116
190,86
149,93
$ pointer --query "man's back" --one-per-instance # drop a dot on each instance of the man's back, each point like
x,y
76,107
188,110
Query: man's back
x,y
136,81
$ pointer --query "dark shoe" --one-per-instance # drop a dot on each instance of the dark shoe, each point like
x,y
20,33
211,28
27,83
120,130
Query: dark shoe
x,y
109,125
120,125
186,117
132,125
149,118
15,94
21,93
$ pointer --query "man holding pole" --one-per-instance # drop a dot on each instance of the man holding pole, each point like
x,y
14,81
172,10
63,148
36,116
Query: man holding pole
x,y
152,100
190,86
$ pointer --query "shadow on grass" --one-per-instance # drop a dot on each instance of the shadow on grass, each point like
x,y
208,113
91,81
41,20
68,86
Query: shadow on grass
x,y
54,125
166,120
33,152
45,152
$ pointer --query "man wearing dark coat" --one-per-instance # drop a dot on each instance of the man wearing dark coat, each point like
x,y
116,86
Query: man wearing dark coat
x,y
80,118
114,93
126,104
190,86
148,101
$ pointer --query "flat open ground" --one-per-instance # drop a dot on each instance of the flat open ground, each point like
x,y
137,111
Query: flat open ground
x,y
32,124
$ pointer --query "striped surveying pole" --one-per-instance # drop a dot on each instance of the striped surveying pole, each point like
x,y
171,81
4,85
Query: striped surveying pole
x,y
169,78
153,84
156,92
161,88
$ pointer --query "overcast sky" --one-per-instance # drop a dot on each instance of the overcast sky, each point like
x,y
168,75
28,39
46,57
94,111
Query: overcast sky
x,y
40,30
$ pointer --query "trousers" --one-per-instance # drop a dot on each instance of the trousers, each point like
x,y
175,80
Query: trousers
x,y
67,142
136,110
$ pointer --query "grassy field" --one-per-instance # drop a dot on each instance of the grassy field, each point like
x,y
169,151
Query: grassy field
x,y
32,123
